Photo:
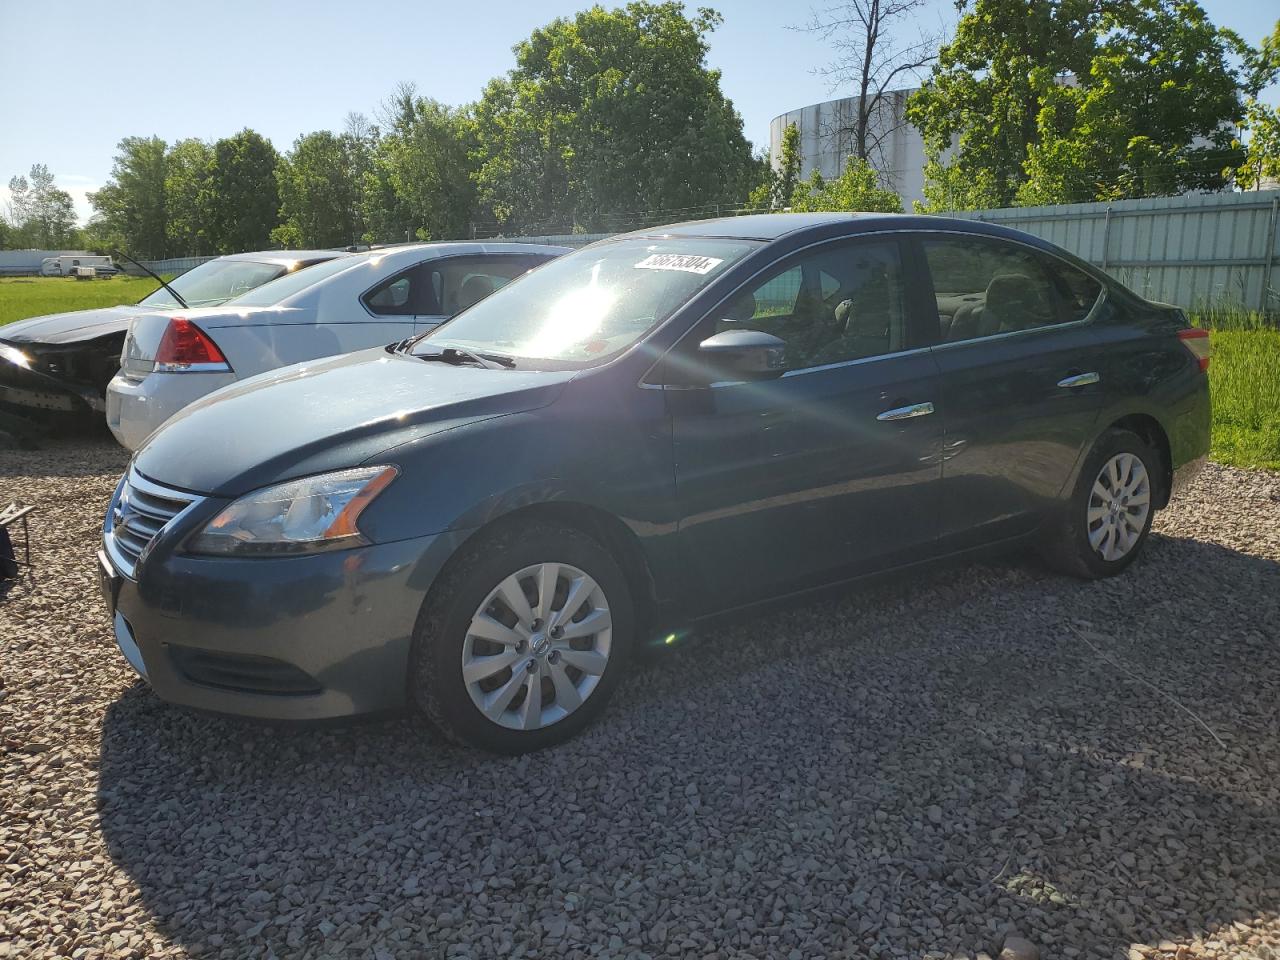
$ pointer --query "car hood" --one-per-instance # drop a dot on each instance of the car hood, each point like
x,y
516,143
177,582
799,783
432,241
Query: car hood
x,y
326,415
72,327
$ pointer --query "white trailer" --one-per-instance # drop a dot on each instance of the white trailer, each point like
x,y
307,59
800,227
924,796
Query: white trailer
x,y
69,266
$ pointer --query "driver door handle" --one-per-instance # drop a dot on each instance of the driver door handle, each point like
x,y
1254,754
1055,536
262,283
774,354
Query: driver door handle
x,y
907,412
1079,380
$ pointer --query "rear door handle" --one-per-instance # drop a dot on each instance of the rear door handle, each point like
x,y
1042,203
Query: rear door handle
x,y
907,412
1079,380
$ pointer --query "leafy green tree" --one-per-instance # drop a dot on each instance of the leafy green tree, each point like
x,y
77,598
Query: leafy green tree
x,y
1037,102
186,184
320,192
775,188
40,214
1141,125
608,113
856,189
130,209
421,178
789,165
241,199
957,186
1261,166
984,95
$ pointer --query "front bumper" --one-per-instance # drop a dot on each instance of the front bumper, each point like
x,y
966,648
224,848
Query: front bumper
x,y
296,638
32,393
137,408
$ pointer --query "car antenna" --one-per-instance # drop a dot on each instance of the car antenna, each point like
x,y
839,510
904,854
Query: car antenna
x,y
154,276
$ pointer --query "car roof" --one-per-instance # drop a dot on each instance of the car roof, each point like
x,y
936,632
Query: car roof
x,y
754,226
414,252
286,256
774,226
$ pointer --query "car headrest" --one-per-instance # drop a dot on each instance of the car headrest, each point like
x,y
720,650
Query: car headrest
x,y
1012,289
868,317
474,289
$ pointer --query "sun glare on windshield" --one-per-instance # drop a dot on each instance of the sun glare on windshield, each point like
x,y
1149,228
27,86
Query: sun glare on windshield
x,y
591,305
574,318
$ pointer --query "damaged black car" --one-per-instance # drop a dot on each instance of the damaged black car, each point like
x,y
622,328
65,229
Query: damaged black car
x,y
55,368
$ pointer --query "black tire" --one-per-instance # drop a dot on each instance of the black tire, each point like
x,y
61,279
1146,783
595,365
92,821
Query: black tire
x,y
1065,545
436,686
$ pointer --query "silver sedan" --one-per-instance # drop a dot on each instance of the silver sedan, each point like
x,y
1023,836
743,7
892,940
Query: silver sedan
x,y
172,358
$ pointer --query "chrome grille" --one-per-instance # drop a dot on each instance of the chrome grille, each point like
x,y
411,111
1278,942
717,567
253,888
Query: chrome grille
x,y
139,510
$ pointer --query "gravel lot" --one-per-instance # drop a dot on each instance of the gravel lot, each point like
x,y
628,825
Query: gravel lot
x,y
922,767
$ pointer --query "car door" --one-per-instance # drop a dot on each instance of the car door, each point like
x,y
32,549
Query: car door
x,y
459,282
1020,389
832,468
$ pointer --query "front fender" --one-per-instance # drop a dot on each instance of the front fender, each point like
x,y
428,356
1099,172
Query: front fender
x,y
609,455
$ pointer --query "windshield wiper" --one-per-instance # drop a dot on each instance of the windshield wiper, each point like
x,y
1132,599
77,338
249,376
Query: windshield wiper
x,y
456,356
155,276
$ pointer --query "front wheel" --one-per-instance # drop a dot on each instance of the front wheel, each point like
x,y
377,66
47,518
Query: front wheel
x,y
523,640
1104,526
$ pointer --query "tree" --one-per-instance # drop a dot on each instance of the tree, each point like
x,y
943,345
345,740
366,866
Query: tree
x,y
130,208
186,188
789,166
1261,165
1141,125
241,199
776,187
320,190
40,214
856,189
1078,100
606,114
870,63
984,96
421,178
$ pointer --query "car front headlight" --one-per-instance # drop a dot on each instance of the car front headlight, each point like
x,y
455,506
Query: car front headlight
x,y
299,516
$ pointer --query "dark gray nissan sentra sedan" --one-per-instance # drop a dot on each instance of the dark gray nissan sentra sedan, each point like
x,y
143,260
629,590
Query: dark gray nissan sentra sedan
x,y
487,521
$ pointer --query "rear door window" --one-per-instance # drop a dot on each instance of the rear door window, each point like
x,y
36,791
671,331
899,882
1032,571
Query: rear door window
x,y
1078,291
409,293
986,287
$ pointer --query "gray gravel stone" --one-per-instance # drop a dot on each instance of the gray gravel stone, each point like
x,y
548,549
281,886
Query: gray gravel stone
x,y
932,765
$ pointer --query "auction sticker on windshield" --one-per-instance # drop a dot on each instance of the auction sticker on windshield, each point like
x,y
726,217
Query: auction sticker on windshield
x,y
684,262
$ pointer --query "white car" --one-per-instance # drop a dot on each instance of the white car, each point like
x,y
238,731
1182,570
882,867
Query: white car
x,y
173,358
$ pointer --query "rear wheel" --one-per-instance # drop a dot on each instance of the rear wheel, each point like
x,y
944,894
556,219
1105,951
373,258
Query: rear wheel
x,y
523,640
1105,525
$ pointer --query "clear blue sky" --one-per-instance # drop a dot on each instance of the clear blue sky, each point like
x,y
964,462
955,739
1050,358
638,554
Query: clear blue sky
x,y
76,77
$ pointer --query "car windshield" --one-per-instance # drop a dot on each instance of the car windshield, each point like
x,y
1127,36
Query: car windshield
x,y
272,293
589,306
215,282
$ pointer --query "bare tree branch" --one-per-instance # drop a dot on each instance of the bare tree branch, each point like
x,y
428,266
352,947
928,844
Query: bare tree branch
x,y
870,59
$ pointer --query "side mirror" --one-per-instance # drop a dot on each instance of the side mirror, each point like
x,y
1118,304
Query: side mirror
x,y
743,355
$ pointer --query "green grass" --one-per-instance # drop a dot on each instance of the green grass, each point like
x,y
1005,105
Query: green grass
x,y
1244,376
22,297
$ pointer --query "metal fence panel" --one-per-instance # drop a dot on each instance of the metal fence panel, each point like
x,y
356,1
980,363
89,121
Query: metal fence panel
x,y
1194,251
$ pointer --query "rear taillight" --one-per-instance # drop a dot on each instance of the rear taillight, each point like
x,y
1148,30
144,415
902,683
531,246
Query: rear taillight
x,y
185,348
1197,341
